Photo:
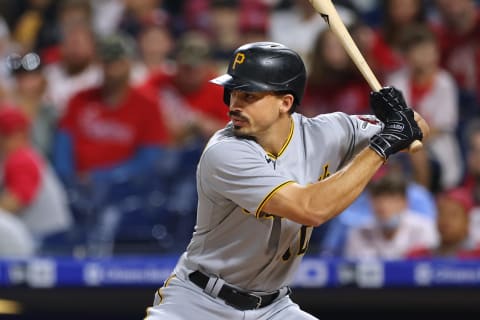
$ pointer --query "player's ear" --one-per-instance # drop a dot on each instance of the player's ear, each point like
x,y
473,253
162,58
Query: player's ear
x,y
287,102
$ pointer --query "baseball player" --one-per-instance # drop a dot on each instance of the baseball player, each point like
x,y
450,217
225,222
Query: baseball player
x,y
268,178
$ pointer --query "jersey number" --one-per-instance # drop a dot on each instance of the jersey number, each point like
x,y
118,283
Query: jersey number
x,y
303,244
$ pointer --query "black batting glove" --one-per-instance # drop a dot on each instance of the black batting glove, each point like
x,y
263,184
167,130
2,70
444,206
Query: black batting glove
x,y
386,101
400,130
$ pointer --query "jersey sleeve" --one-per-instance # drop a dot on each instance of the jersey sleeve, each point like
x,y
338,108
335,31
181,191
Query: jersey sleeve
x,y
237,172
365,126
347,134
360,129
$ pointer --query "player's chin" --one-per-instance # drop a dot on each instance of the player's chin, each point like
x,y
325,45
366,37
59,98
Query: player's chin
x,y
240,131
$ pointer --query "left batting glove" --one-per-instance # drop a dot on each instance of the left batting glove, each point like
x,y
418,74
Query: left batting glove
x,y
387,101
399,131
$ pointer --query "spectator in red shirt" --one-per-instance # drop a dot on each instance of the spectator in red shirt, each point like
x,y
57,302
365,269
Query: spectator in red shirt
x,y
190,104
112,130
30,189
110,138
453,222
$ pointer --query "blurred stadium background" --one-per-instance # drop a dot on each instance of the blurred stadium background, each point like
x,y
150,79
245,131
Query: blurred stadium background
x,y
102,235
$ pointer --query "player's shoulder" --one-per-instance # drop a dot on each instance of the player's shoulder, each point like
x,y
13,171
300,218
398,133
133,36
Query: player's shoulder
x,y
226,147
326,121
225,140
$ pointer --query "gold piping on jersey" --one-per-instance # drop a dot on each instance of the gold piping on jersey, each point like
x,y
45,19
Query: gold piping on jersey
x,y
245,211
165,284
265,216
289,138
262,204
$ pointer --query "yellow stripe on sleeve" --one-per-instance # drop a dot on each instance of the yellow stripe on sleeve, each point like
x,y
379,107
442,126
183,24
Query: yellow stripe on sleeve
x,y
262,204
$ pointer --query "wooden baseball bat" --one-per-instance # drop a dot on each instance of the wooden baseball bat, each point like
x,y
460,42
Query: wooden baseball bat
x,y
328,12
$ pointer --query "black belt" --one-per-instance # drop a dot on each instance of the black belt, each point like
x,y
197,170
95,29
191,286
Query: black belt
x,y
238,299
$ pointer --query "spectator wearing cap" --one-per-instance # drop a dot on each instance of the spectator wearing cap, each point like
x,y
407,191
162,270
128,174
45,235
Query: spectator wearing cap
x,y
110,134
30,189
453,225
191,105
28,93
395,229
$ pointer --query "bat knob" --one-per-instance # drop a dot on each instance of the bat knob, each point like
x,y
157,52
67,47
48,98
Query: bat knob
x,y
415,146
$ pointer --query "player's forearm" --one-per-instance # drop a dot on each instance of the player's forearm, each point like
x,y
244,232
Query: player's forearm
x,y
318,202
328,198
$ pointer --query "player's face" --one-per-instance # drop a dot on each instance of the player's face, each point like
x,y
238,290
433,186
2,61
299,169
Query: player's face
x,y
254,113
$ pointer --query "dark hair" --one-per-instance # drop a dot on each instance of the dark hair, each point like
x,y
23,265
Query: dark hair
x,y
66,5
414,35
390,30
391,182
294,103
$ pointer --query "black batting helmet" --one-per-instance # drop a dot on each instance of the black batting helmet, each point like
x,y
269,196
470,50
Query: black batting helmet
x,y
264,66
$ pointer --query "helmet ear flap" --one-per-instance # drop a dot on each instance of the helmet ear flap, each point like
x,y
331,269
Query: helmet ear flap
x,y
226,96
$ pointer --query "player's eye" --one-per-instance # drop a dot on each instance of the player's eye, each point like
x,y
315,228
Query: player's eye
x,y
248,97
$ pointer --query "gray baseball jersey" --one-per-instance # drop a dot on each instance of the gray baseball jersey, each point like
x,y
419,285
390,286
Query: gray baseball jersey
x,y
234,238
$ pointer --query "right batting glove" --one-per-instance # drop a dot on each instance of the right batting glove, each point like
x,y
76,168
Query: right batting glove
x,y
386,101
400,130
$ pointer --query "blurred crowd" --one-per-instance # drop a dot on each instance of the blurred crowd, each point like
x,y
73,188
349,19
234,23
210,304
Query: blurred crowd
x,y
105,107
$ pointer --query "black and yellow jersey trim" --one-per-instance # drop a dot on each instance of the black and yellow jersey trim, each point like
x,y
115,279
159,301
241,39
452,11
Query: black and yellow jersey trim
x,y
159,293
165,284
269,195
287,142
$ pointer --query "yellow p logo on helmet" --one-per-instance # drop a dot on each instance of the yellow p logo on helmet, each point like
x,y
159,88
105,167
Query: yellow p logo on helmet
x,y
239,59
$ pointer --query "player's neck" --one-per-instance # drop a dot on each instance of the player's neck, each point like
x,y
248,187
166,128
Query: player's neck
x,y
274,140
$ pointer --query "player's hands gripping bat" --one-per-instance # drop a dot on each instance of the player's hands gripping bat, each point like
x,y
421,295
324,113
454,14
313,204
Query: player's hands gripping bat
x,y
327,10
386,99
